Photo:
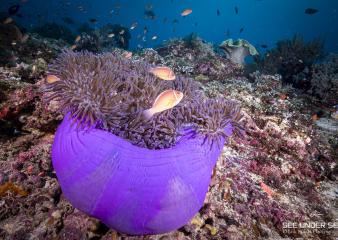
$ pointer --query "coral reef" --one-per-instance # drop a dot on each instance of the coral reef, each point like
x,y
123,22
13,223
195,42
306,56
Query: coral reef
x,y
55,31
291,57
120,39
24,48
286,148
324,80
9,33
88,41
238,50
103,39
297,62
195,57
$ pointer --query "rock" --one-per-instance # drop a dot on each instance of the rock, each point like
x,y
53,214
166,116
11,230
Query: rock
x,y
56,214
213,230
197,220
328,124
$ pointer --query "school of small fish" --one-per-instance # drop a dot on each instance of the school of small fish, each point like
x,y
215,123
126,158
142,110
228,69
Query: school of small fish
x,y
149,13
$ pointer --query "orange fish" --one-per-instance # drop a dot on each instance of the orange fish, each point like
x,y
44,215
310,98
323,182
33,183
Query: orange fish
x,y
186,12
267,189
73,47
283,96
52,79
127,55
314,117
166,100
78,38
164,73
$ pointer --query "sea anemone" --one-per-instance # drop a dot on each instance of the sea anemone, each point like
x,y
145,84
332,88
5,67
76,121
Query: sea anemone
x,y
137,175
110,92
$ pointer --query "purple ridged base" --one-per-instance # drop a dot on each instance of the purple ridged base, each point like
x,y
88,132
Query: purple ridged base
x,y
131,189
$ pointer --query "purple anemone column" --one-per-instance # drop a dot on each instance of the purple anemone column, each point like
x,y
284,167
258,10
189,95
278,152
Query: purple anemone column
x,y
131,189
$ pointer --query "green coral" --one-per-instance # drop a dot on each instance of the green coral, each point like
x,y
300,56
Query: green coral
x,y
237,50
240,43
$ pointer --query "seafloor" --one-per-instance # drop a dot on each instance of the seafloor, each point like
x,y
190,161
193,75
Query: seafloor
x,y
281,173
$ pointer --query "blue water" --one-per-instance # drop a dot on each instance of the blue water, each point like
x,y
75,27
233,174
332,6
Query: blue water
x,y
264,21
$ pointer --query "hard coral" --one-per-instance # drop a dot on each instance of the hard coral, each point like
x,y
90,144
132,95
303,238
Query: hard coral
x,y
111,92
89,42
103,39
120,39
238,50
56,31
324,80
192,55
291,57
9,33
218,69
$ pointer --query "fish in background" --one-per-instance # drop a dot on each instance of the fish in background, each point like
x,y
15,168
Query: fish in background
x,y
241,30
68,20
186,12
264,46
80,8
175,21
148,6
236,10
77,39
12,10
117,5
93,20
218,12
149,14
133,25
311,11
228,33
